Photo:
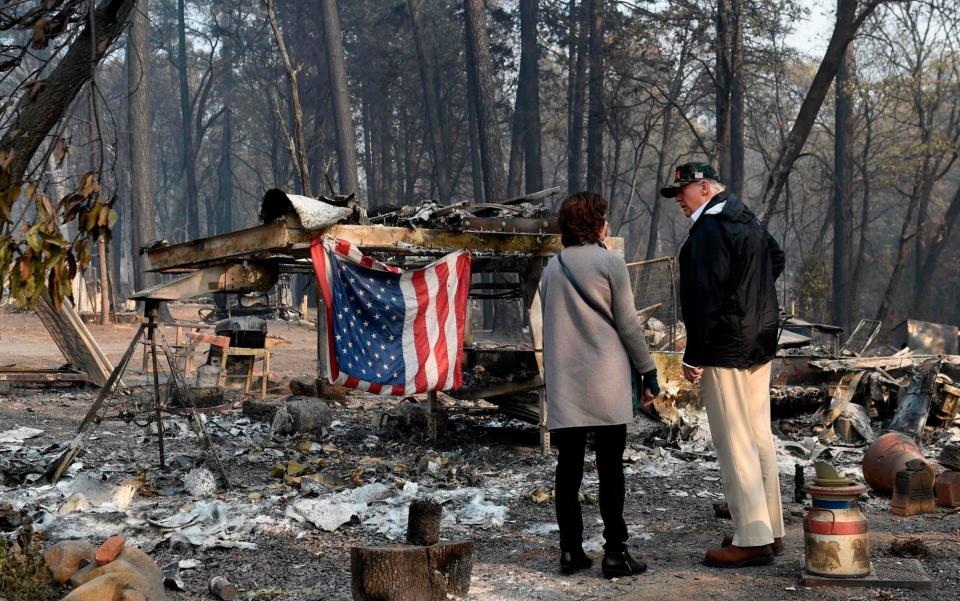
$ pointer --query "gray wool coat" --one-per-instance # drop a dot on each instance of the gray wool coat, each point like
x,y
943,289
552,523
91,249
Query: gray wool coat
x,y
586,363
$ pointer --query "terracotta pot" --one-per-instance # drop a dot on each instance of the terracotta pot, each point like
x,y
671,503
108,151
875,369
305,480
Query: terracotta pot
x,y
888,455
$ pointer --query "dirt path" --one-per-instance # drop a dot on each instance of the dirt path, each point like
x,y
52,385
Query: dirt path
x,y
25,342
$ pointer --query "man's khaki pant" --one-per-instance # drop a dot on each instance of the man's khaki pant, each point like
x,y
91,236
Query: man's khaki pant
x,y
738,407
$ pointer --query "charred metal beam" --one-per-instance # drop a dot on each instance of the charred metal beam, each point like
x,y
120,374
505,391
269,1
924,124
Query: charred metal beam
x,y
280,240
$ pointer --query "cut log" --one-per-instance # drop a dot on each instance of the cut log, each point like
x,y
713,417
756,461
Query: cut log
x,y
303,386
423,522
223,588
411,573
262,411
302,415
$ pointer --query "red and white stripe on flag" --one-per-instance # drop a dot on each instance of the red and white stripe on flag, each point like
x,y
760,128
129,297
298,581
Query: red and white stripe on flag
x,y
434,314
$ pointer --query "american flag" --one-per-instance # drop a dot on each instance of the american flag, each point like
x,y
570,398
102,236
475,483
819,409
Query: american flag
x,y
391,331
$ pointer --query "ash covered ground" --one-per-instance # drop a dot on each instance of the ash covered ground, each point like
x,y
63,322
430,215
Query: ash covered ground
x,y
297,504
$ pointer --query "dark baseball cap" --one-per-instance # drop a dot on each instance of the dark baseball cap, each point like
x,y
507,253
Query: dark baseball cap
x,y
687,174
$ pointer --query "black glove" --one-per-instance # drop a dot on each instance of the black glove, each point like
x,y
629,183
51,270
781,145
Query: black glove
x,y
648,381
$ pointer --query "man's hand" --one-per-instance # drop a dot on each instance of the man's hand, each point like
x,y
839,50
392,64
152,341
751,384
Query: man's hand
x,y
648,398
692,374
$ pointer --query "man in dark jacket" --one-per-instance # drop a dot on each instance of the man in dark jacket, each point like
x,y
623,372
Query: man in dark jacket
x,y
729,264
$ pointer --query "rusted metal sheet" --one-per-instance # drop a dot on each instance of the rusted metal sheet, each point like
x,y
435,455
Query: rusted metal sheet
x,y
796,370
267,241
893,362
514,225
926,337
262,240
400,237
238,278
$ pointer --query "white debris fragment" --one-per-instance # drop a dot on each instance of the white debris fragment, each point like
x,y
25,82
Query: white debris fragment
x,y
593,544
18,435
208,525
698,438
324,513
637,533
200,483
86,493
369,493
89,526
315,214
390,521
542,528
482,513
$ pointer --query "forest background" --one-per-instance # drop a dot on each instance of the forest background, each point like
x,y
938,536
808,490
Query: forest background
x,y
134,120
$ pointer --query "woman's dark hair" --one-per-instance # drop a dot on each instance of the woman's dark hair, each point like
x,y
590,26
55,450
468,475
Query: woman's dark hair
x,y
580,218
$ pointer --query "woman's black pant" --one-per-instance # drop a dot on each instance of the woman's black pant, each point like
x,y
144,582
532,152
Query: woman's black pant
x,y
609,443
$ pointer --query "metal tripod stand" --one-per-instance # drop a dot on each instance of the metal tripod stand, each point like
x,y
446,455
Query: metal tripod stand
x,y
154,334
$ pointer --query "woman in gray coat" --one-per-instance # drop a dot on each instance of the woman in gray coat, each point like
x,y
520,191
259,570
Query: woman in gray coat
x,y
592,343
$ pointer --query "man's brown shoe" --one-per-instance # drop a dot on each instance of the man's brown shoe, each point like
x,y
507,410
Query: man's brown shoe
x,y
739,557
777,545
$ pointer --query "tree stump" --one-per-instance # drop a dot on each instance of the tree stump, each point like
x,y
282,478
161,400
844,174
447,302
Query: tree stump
x,y
412,573
423,522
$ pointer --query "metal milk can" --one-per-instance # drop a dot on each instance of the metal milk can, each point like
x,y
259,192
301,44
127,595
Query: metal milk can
x,y
836,541
208,376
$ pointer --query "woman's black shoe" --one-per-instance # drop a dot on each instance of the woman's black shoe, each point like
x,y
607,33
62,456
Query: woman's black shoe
x,y
572,561
619,563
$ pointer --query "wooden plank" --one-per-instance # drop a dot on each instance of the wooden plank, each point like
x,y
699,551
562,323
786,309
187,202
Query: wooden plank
x,y
88,342
203,338
41,375
75,341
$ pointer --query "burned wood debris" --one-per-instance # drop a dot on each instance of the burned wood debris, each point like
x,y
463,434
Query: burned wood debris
x,y
902,407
